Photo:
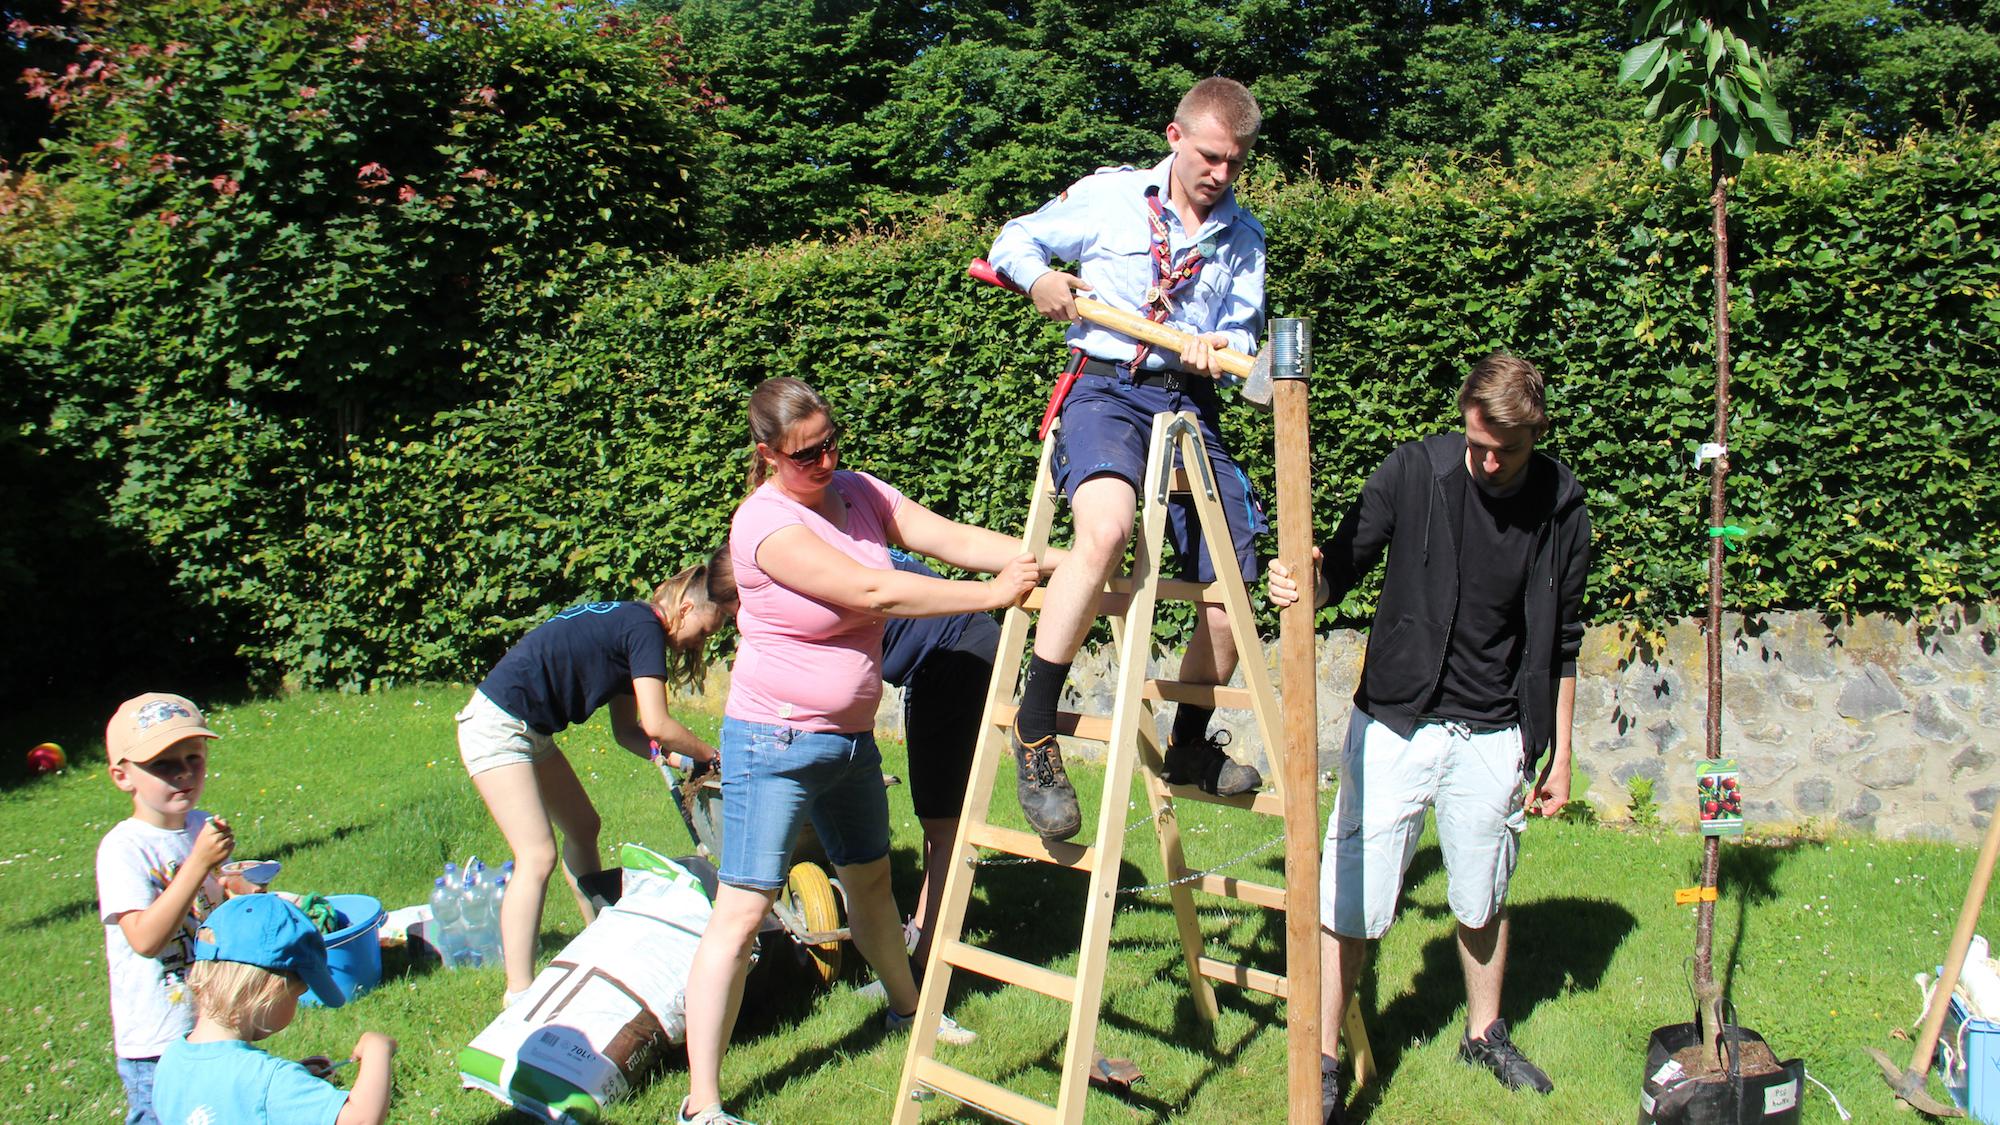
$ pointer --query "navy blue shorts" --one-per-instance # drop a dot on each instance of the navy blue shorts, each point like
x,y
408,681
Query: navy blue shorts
x,y
1106,424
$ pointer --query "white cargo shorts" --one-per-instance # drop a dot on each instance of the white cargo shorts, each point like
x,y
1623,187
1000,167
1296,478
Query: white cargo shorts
x,y
489,737
1474,781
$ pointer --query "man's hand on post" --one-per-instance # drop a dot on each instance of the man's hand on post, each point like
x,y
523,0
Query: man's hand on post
x,y
1283,589
1054,294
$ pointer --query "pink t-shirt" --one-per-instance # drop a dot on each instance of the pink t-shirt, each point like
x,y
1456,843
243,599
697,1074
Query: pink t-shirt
x,y
802,662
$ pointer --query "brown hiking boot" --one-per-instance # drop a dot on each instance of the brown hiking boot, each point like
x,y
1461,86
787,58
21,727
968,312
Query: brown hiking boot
x,y
1048,800
1204,766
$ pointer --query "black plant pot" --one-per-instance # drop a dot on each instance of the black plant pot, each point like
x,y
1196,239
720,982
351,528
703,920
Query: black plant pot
x,y
1730,1098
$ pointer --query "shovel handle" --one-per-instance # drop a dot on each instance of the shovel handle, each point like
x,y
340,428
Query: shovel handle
x,y
1961,941
1118,320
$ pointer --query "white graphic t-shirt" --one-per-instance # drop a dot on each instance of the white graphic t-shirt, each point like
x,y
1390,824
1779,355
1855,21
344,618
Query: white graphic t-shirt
x,y
150,1006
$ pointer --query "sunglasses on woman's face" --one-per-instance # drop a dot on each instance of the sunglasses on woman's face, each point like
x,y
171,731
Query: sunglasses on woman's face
x,y
807,458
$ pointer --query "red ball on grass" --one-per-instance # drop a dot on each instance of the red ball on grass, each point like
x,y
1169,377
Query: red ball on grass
x,y
46,758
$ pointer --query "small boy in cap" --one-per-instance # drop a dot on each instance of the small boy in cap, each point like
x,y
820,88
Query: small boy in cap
x,y
155,881
257,956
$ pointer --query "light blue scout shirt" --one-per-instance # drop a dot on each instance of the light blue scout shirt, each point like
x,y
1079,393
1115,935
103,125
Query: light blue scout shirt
x,y
1101,223
230,1082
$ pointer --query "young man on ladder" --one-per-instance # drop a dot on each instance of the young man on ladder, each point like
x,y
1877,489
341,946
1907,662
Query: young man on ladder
x,y
1171,243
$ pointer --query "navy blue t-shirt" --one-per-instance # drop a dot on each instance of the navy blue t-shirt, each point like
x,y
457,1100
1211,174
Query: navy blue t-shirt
x,y
574,663
909,641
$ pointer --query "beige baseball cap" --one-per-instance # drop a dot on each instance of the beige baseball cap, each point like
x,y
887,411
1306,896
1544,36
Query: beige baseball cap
x,y
147,724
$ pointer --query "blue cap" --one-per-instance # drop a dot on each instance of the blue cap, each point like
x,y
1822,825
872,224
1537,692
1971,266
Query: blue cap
x,y
270,933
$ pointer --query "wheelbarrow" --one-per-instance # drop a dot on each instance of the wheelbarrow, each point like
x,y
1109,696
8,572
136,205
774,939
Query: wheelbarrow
x,y
809,906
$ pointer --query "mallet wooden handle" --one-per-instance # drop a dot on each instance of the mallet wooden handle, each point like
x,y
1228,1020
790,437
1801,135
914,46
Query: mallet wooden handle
x,y
1118,320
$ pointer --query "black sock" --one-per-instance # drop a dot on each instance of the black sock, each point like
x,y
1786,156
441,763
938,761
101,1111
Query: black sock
x,y
1036,719
1190,725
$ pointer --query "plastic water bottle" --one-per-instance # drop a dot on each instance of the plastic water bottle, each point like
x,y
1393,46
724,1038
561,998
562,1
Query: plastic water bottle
x,y
447,921
498,890
482,914
467,950
454,885
468,913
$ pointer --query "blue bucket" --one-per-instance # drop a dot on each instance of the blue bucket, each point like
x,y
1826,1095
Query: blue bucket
x,y
354,952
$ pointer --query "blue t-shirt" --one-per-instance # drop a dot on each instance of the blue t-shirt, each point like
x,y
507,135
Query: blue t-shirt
x,y
909,641
574,663
229,1082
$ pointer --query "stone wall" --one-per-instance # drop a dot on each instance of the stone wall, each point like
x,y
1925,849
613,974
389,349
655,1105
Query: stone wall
x,y
1875,724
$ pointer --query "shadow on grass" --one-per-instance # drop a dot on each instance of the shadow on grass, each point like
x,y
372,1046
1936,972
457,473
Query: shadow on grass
x,y
305,844
1557,946
1036,913
1033,911
1750,874
76,909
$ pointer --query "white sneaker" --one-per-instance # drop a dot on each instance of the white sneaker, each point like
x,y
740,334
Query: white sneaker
x,y
713,1114
874,990
949,1032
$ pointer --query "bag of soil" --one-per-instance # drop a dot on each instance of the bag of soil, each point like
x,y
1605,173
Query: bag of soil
x,y
1685,1086
596,1019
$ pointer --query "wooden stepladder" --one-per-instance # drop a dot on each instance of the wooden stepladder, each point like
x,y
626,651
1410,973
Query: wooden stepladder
x,y
1132,742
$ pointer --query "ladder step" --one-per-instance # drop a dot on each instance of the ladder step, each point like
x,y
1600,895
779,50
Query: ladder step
x,y
1000,967
1256,894
1096,728
981,1093
1242,976
1117,596
1027,845
1263,801
1176,590
1201,695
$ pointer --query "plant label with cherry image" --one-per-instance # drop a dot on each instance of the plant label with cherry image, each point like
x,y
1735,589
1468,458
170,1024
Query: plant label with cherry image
x,y
1719,797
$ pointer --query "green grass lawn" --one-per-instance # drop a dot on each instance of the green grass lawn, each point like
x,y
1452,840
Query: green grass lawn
x,y
365,793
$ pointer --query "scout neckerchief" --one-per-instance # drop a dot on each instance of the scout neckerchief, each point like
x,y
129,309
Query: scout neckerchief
x,y
1169,278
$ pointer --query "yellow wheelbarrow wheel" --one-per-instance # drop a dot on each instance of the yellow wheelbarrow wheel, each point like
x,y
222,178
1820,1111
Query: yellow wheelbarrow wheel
x,y
811,896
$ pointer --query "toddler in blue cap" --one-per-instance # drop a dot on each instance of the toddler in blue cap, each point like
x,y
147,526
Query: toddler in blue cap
x,y
254,957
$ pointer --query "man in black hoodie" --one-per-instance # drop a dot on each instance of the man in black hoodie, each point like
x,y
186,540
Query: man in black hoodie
x,y
1470,677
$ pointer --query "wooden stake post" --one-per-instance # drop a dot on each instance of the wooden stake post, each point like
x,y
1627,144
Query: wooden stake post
x,y
1291,359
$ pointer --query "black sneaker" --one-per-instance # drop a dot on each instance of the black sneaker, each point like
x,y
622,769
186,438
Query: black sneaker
x,y
1330,1111
1497,1053
1204,766
1048,800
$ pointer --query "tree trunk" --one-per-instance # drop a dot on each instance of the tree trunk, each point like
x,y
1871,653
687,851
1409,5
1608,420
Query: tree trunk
x,y
1707,996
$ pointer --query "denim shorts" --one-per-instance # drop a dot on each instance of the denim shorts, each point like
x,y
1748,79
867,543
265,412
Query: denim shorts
x,y
775,777
1107,423
1475,782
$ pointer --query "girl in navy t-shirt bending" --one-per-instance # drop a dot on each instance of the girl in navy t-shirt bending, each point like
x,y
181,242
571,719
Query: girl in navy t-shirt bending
x,y
625,654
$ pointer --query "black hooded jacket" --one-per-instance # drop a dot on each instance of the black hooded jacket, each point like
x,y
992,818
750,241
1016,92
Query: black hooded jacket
x,y
1408,507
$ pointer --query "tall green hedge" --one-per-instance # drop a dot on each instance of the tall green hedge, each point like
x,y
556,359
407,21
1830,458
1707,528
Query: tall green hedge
x,y
1867,348
272,230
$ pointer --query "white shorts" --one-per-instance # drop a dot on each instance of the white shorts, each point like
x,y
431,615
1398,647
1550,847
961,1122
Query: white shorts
x,y
1386,783
488,737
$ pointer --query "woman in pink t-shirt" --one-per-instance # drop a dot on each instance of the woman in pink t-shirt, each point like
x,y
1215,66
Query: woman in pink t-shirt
x,y
810,548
